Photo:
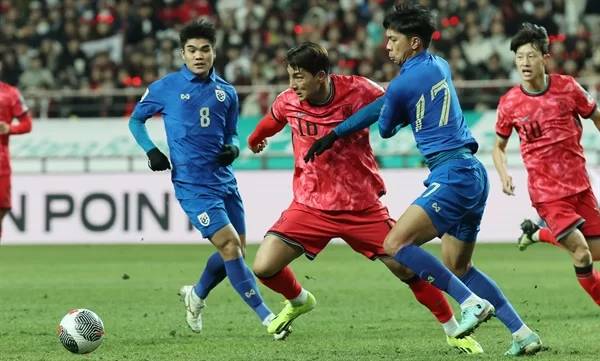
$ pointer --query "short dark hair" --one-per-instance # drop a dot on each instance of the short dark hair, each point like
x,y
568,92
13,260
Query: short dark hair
x,y
531,33
309,56
411,20
198,29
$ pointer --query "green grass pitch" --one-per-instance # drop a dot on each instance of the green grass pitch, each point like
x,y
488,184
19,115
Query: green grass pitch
x,y
363,313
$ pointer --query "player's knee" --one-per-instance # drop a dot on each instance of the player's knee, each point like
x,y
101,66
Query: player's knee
x,y
456,267
230,248
262,269
392,245
582,256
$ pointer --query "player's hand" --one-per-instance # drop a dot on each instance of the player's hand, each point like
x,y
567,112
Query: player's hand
x,y
157,160
228,154
259,147
4,128
507,186
320,145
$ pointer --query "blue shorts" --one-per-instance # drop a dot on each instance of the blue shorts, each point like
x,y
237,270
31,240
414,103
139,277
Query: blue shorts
x,y
455,197
211,212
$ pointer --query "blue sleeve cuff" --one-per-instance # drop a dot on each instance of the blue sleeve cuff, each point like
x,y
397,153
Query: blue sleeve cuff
x,y
363,118
137,127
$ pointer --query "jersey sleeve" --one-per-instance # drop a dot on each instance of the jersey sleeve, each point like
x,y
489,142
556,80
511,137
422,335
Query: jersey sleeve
x,y
504,124
149,104
231,123
390,119
277,109
584,103
19,107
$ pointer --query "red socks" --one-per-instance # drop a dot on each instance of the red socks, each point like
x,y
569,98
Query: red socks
x,y
432,298
589,279
546,236
283,282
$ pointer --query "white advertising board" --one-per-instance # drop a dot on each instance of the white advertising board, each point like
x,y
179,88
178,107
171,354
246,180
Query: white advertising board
x,y
141,207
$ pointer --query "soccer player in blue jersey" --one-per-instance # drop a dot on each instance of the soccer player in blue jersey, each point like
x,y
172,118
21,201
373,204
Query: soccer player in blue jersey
x,y
422,95
200,113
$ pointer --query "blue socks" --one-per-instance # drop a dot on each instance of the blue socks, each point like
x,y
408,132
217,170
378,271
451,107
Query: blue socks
x,y
244,283
430,269
213,274
486,288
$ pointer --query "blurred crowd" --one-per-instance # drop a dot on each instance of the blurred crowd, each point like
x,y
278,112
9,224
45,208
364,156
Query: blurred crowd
x,y
87,45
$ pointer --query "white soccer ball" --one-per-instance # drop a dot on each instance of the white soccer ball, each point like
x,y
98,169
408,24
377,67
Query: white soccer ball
x,y
81,331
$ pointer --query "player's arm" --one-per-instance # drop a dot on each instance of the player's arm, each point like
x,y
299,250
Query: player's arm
x,y
390,120
231,142
20,112
362,119
156,159
146,107
268,126
499,156
503,130
23,125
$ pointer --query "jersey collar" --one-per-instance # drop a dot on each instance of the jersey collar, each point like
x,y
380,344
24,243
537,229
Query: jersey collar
x,y
188,75
415,59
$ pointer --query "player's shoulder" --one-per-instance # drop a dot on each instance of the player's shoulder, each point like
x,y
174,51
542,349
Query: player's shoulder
x,y
512,95
223,84
353,82
287,96
564,83
7,88
166,82
560,79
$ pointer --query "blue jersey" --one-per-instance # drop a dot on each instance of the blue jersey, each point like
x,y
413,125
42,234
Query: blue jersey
x,y
200,116
422,95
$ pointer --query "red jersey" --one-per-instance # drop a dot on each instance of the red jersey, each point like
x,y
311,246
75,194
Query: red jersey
x,y
12,106
345,177
550,131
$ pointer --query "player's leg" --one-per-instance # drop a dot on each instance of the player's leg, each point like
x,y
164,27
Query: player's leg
x,y
209,215
214,272
564,218
436,303
532,233
299,230
457,256
365,231
414,228
271,267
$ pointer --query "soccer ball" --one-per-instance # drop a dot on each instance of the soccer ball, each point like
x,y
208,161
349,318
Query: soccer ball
x,y
81,331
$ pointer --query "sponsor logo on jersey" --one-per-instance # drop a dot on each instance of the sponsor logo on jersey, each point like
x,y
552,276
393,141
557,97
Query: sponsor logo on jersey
x,y
220,94
204,219
184,96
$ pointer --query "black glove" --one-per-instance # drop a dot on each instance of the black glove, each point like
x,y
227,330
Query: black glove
x,y
157,160
320,145
228,154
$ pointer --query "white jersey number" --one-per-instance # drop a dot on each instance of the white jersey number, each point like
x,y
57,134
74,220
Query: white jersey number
x,y
204,117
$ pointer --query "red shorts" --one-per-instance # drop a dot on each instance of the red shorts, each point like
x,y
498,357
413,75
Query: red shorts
x,y
5,191
312,229
576,211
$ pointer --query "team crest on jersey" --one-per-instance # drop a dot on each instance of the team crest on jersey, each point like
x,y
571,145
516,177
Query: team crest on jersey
x,y
204,219
220,94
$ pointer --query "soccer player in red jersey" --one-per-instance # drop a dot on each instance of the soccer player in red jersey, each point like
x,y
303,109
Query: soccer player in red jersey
x,y
336,195
12,106
546,111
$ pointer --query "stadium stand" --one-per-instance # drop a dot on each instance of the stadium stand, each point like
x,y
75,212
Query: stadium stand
x,y
113,48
